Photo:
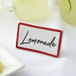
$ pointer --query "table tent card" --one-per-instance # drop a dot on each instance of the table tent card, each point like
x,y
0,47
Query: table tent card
x,y
39,39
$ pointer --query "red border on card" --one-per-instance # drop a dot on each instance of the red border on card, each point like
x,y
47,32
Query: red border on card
x,y
39,27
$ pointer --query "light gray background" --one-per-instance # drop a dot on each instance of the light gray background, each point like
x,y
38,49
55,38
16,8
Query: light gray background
x,y
38,64
43,35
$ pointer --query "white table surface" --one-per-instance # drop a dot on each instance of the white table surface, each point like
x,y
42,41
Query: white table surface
x,y
38,64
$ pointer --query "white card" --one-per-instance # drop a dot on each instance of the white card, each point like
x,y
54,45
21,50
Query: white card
x,y
39,39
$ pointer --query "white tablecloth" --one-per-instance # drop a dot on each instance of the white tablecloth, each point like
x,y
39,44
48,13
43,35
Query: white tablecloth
x,y
38,64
